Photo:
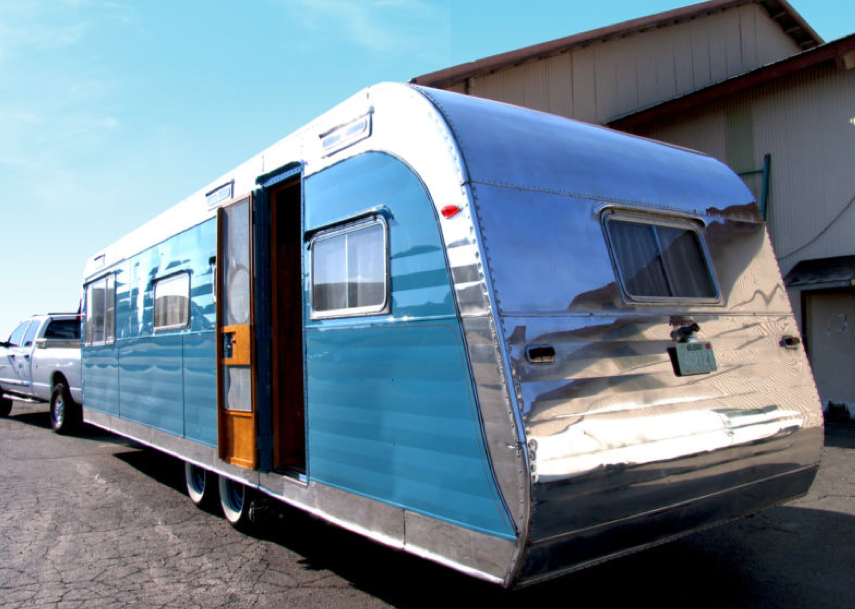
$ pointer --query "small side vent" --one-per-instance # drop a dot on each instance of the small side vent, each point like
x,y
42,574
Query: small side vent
x,y
540,354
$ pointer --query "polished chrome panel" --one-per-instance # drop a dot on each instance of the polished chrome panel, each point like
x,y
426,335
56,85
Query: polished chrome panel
x,y
486,556
621,451
553,557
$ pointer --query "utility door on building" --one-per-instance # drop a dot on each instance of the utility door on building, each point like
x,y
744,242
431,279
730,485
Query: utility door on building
x,y
830,333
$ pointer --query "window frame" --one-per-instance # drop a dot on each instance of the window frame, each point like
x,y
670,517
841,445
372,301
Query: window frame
x,y
690,224
109,334
165,280
343,229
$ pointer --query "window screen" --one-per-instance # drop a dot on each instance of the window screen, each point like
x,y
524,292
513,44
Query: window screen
x,y
349,271
172,302
100,321
660,261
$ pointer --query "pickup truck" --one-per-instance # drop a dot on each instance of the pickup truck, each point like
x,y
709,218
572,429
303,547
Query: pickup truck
x,y
40,362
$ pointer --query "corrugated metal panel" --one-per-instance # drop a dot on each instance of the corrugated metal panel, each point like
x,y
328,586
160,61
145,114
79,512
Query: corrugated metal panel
x,y
584,85
527,85
747,35
683,63
666,78
702,130
803,121
619,76
700,53
733,47
717,45
772,42
560,78
607,59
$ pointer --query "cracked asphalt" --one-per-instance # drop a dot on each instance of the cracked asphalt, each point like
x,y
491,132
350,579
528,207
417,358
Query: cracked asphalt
x,y
97,521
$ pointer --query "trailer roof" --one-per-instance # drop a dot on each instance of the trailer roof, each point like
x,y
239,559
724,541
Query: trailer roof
x,y
517,147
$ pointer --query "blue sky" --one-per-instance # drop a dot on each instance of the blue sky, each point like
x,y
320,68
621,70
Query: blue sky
x,y
113,110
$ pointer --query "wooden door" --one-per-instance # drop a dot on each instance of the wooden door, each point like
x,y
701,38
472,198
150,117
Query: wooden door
x,y
235,344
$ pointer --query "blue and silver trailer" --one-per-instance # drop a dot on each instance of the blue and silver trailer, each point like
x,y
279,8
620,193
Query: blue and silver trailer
x,y
505,341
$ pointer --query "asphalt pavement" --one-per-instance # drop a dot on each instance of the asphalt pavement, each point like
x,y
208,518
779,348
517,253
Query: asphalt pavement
x,y
97,521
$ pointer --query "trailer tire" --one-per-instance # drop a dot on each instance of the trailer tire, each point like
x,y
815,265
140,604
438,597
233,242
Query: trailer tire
x,y
201,486
65,414
5,406
235,501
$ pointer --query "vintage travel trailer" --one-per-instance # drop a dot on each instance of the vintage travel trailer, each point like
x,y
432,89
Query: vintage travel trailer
x,y
505,341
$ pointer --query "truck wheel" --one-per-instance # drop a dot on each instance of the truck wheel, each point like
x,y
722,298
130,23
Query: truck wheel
x,y
64,413
201,486
235,500
5,406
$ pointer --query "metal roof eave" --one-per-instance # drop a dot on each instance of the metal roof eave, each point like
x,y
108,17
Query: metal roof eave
x,y
836,50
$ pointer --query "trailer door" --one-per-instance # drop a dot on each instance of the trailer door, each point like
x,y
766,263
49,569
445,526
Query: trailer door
x,y
235,348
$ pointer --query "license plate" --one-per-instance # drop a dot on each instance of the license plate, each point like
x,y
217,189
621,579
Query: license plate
x,y
695,358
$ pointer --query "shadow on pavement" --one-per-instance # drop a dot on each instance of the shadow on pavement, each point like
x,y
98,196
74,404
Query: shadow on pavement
x,y
785,556
779,557
840,436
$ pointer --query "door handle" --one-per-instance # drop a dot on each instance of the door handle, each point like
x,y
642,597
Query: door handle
x,y
228,344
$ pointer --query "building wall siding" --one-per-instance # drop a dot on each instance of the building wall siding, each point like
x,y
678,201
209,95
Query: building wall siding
x,y
607,79
812,178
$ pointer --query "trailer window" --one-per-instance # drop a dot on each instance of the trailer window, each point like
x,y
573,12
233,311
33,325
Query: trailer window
x,y
100,321
349,270
172,302
659,261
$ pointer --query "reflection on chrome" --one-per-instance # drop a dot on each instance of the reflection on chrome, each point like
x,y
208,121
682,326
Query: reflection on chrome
x,y
593,443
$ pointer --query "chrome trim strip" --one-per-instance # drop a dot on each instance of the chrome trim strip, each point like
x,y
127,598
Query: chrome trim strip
x,y
377,210
478,305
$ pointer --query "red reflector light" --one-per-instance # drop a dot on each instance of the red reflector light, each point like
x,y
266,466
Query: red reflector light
x,y
449,210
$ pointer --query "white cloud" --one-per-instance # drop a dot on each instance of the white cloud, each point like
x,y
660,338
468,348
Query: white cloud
x,y
379,26
54,96
32,27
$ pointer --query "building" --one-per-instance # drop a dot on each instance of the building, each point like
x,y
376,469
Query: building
x,y
600,75
789,127
746,81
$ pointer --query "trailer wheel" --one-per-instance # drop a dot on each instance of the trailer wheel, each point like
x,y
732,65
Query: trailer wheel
x,y
235,501
5,406
65,415
201,486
